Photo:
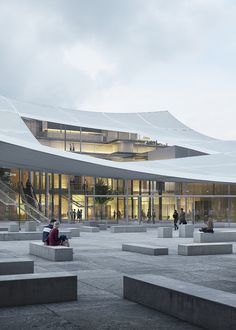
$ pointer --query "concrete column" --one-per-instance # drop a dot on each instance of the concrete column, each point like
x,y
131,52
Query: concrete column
x,y
46,194
69,198
126,201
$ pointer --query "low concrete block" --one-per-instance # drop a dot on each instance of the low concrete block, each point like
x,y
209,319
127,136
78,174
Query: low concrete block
x,y
75,232
30,226
145,249
205,249
13,227
102,226
165,232
202,306
217,236
186,230
20,236
3,228
11,266
42,288
89,229
54,253
128,229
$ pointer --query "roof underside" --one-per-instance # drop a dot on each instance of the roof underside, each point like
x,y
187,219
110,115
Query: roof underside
x,y
20,149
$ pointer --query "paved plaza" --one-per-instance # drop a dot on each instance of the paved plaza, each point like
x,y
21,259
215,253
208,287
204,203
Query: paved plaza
x,y
100,264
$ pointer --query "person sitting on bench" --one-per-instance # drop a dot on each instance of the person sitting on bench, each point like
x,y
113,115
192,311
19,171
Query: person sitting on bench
x,y
209,227
55,239
46,231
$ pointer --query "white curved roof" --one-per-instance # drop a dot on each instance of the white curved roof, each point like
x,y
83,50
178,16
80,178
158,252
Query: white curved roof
x,y
19,148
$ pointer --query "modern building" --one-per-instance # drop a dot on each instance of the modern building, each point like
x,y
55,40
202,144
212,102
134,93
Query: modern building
x,y
56,161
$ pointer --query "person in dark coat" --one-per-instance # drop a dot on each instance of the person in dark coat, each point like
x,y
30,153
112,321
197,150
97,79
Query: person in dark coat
x,y
176,218
46,231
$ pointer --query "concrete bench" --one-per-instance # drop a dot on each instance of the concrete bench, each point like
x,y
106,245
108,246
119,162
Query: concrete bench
x,y
102,226
16,266
89,229
217,236
54,253
3,228
13,227
186,230
20,236
165,232
145,249
128,229
27,236
43,288
30,226
206,307
75,232
205,249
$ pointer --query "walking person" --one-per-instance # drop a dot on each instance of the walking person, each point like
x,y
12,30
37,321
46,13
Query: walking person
x,y
176,218
182,217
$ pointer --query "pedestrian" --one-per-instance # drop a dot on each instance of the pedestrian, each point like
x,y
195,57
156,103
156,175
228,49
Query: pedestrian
x,y
176,218
74,214
78,215
182,218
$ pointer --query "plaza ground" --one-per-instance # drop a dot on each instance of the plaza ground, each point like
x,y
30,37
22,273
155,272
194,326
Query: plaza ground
x,y
100,265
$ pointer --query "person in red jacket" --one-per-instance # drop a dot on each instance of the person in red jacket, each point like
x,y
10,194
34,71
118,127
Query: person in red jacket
x,y
55,239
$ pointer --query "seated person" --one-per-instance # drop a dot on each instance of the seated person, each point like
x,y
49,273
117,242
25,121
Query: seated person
x,y
209,227
55,239
46,231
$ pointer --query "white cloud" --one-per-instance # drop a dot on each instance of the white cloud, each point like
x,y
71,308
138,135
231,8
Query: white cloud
x,y
124,56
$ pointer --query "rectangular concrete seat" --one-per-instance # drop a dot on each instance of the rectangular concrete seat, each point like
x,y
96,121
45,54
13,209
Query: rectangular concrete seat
x,y
204,249
13,227
165,232
128,229
20,236
16,266
30,226
89,229
217,236
186,230
206,307
54,253
145,249
75,232
42,288
102,226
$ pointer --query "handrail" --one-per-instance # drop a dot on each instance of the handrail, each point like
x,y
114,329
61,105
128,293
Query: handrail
x,y
28,208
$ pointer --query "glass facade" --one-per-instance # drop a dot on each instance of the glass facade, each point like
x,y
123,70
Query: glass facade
x,y
26,194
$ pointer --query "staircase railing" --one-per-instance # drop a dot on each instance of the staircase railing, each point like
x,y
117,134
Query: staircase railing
x,y
8,196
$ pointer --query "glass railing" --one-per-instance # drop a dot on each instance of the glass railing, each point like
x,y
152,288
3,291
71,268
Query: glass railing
x,y
9,197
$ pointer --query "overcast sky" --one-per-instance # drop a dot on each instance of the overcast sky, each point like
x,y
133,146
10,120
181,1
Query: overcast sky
x,y
124,55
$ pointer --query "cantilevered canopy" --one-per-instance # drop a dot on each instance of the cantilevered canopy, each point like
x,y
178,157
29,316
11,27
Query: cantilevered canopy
x,y
20,149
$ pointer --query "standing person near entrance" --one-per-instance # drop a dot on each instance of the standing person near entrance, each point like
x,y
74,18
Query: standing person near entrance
x,y
176,218
46,231
182,217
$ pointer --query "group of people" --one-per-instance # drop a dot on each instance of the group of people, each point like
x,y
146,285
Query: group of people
x,y
77,215
179,217
51,235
